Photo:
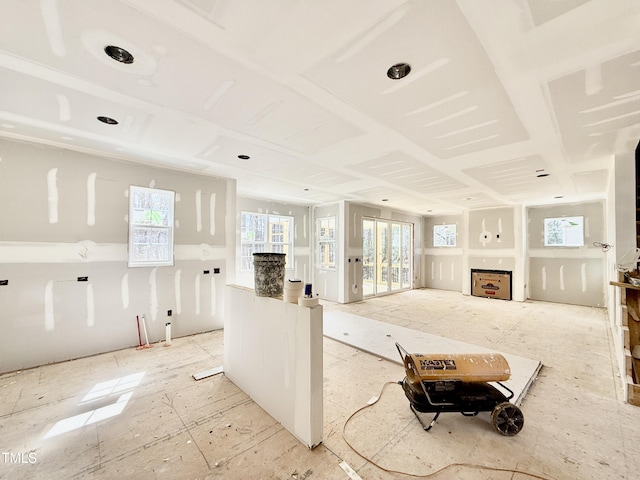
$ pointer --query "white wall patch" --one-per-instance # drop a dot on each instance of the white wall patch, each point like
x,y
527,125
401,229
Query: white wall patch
x,y
124,291
561,277
64,108
212,214
52,194
177,280
213,297
91,309
485,235
198,200
304,225
91,199
196,288
49,319
153,294
543,274
583,276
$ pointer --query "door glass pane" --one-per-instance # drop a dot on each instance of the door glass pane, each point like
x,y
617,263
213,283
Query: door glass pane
x,y
368,257
383,275
406,256
395,256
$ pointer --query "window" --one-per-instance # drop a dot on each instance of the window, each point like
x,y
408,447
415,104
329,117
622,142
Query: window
x,y
150,227
444,235
265,233
326,229
564,232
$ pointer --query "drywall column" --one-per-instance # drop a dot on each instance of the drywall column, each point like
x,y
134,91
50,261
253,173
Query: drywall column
x,y
273,352
621,205
343,269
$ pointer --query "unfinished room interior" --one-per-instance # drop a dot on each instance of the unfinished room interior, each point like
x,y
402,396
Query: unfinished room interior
x,y
320,239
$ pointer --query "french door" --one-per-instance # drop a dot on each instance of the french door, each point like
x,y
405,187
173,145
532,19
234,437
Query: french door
x,y
387,256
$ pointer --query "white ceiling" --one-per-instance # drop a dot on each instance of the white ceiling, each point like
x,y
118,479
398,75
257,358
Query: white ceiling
x,y
500,92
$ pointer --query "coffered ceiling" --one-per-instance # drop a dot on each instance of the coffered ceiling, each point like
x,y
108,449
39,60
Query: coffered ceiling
x,y
508,102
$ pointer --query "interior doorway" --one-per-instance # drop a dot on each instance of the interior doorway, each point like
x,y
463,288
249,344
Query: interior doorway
x,y
387,264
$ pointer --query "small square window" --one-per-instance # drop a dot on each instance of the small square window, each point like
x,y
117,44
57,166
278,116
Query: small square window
x,y
444,235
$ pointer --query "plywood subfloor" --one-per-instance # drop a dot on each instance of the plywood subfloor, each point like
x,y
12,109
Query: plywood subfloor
x,y
172,426
379,338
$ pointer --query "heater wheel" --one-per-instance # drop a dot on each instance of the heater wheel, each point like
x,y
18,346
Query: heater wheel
x,y
507,418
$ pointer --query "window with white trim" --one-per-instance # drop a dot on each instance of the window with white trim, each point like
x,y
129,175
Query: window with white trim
x,y
564,232
150,227
261,232
444,235
326,245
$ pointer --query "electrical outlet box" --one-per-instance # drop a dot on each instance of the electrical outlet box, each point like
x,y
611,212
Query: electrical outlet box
x,y
169,313
4,282
216,270
206,272
83,279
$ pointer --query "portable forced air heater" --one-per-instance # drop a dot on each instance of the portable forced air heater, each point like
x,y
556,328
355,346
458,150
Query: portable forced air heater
x,y
439,383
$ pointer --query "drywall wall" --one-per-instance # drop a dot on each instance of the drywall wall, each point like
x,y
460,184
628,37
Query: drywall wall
x,y
442,266
273,352
621,226
301,265
495,242
64,216
488,239
573,275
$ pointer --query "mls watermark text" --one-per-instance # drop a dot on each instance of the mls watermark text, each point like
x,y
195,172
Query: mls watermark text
x,y
18,458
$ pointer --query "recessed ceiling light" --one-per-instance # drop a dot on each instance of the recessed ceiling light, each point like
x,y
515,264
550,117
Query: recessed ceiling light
x,y
118,54
244,157
306,189
398,71
108,120
540,175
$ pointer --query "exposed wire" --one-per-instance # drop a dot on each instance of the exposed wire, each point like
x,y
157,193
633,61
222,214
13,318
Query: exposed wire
x,y
604,246
427,475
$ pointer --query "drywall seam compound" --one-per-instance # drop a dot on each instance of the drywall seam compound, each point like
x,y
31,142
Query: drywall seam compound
x,y
49,319
52,194
197,293
91,199
153,294
213,297
124,291
198,210
91,310
177,280
212,214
